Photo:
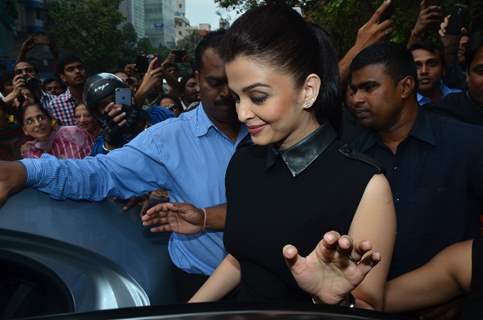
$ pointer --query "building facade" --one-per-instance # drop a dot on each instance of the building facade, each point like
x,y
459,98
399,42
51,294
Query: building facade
x,y
133,10
182,24
159,22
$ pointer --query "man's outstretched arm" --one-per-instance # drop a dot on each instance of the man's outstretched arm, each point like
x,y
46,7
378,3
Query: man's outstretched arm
x,y
132,170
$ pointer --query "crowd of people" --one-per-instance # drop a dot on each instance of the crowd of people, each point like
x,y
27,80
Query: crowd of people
x,y
282,172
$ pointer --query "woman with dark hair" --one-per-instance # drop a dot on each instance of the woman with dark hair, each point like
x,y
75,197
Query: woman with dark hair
x,y
297,181
85,121
69,142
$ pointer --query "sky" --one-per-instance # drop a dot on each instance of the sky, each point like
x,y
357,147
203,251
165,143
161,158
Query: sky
x,y
204,11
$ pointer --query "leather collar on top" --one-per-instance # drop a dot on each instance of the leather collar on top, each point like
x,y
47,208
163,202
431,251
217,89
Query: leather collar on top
x,y
299,156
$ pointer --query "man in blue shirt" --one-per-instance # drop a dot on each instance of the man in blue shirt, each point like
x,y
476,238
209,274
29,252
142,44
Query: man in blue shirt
x,y
434,165
187,156
430,69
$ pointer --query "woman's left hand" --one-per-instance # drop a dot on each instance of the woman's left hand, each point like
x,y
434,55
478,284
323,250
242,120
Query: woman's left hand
x,y
333,269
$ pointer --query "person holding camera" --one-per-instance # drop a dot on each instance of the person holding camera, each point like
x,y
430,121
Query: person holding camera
x,y
26,84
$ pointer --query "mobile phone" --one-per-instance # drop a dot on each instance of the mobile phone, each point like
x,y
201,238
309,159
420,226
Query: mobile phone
x,y
458,19
123,96
179,55
142,63
387,13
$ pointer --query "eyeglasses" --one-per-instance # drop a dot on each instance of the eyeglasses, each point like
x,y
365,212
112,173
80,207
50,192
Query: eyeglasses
x,y
40,118
24,70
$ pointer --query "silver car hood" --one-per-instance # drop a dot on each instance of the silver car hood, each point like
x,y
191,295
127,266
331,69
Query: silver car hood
x,y
95,282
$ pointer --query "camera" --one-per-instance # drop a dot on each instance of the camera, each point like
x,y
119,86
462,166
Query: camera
x,y
33,84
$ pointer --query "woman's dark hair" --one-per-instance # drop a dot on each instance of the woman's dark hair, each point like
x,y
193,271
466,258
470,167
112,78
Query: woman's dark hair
x,y
278,35
22,109
475,43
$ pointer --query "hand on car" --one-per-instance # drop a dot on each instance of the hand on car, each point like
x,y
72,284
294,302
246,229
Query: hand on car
x,y
334,268
182,218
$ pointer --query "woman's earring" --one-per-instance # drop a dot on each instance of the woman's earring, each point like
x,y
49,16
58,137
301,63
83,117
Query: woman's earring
x,y
307,104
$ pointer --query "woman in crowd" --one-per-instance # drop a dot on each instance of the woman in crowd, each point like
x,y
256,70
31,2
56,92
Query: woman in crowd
x,y
297,181
64,142
86,122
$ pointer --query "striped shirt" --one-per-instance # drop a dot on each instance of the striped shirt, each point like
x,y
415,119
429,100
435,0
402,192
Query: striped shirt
x,y
69,142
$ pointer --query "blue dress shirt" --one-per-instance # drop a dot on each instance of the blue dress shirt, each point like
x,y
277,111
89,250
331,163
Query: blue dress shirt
x,y
188,156
445,90
436,178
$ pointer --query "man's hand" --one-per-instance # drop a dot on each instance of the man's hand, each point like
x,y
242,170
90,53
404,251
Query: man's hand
x,y
182,218
117,115
28,44
151,79
13,177
373,30
18,84
333,269
428,16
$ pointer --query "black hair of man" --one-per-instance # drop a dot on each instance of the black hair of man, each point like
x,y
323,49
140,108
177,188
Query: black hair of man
x,y
211,40
25,61
65,60
396,59
185,79
431,47
476,42
50,80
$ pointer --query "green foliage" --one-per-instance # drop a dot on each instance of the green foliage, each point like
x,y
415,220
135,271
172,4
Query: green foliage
x,y
189,43
96,31
343,18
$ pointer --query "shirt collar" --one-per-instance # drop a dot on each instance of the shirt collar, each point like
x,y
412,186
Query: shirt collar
x,y
444,89
422,130
299,157
66,96
202,123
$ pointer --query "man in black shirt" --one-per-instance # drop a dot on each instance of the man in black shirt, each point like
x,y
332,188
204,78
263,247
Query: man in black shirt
x,y
468,106
434,164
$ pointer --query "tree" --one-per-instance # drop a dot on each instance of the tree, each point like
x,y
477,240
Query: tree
x,y
189,42
342,18
95,30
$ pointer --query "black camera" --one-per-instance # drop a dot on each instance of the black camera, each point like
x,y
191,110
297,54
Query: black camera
x,y
33,84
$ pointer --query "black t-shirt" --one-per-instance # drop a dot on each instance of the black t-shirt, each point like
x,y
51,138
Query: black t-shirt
x,y
461,107
269,207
